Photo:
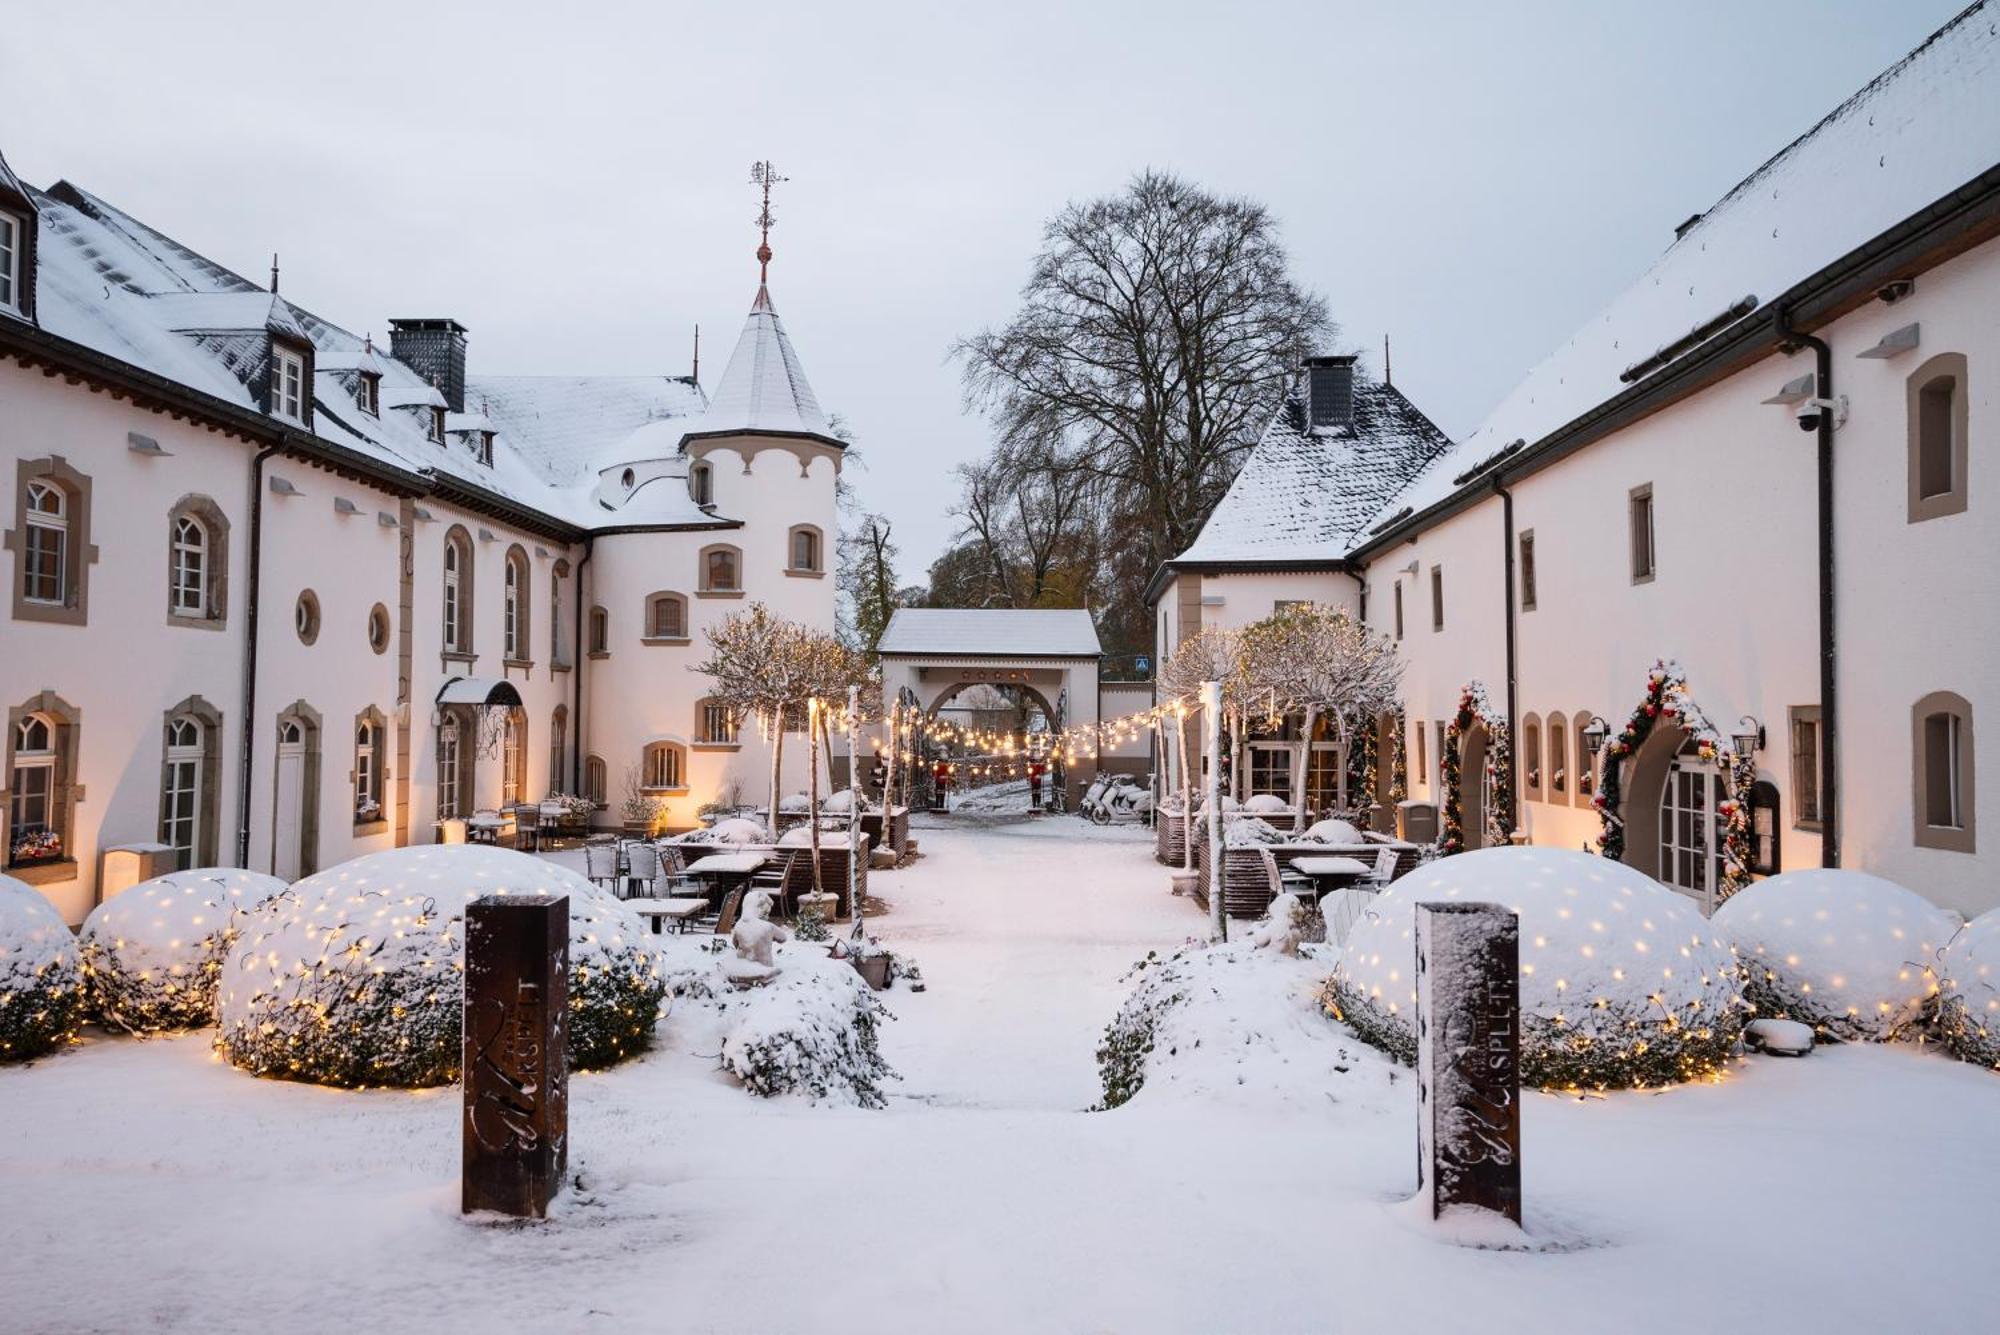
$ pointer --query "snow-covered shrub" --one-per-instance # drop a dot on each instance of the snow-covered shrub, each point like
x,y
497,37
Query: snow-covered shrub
x,y
838,801
1334,832
1622,983
1850,954
800,836
795,802
41,980
735,830
1266,804
1968,1011
811,1030
152,953
1250,832
1228,803
355,976
1211,1019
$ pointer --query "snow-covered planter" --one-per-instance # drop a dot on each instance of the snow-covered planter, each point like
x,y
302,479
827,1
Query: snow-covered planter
x,y
1622,983
41,979
1850,954
1968,1010
151,954
356,975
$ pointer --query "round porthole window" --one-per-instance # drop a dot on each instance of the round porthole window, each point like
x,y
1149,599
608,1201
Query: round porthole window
x,y
629,478
378,628
305,617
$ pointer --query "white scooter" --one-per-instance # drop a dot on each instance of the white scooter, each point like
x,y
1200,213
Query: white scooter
x,y
1116,798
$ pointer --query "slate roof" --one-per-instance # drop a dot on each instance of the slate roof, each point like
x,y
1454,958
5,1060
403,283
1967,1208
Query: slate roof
x,y
1306,494
1922,128
993,632
764,387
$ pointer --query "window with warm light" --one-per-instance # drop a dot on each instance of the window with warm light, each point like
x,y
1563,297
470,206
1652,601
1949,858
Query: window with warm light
x,y
664,768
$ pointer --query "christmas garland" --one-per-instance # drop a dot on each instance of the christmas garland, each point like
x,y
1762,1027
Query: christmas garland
x,y
1399,767
1667,698
1473,709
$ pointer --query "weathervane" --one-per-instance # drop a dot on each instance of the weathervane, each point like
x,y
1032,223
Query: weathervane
x,y
765,175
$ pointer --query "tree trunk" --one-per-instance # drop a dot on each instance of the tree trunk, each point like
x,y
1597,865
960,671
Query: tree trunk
x,y
854,812
1187,797
1303,767
1211,699
815,721
777,759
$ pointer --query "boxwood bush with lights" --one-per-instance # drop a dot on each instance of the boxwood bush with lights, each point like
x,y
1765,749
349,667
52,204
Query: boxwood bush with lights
x,y
1622,983
1968,1011
41,979
356,977
1850,954
151,954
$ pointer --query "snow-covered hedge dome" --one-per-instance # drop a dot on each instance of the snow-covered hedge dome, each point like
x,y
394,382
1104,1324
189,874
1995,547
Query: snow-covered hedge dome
x,y
1335,832
736,830
1850,954
41,979
152,953
1969,991
1622,983
356,976
1265,804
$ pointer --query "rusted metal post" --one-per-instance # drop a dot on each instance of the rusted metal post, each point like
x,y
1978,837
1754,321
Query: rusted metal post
x,y
1469,1058
516,1128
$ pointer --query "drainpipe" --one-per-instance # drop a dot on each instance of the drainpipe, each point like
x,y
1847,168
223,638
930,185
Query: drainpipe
x,y
1829,714
582,657
1513,664
245,765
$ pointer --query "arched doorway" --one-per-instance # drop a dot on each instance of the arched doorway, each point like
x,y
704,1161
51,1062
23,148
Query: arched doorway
x,y
1673,831
1000,730
1475,790
295,793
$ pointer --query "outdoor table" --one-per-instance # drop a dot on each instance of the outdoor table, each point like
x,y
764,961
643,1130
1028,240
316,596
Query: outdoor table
x,y
484,829
723,867
1330,873
661,911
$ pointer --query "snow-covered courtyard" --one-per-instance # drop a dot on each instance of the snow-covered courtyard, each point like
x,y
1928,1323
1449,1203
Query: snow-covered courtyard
x,y
1255,1185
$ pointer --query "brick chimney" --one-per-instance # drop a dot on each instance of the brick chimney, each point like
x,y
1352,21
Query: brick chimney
x,y
435,350
1330,391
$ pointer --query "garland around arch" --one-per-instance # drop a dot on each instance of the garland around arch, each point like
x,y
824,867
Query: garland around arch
x,y
1473,708
1667,698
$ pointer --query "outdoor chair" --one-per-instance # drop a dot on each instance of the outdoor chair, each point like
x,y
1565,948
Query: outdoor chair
x,y
527,827
643,864
774,876
732,908
673,865
600,864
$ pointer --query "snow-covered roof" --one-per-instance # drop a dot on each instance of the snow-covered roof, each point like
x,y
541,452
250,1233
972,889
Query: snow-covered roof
x,y
763,388
1924,127
1305,493
1000,632
571,427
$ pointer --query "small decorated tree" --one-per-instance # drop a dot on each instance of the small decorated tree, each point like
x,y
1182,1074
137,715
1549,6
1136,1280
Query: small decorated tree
x,y
1211,654
1323,664
759,665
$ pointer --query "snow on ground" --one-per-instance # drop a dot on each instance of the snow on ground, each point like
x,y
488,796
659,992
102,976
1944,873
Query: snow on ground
x,y
147,1186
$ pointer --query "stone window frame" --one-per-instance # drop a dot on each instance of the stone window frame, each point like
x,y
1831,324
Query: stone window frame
x,y
1945,366
372,717
1638,502
560,656
1530,770
653,601
596,780
1805,780
1437,597
464,787
1583,778
1949,838
1525,543
306,628
378,621
208,793
311,726
701,483
514,742
597,629
558,748
703,589
817,570
517,602
456,629
663,745
704,739
64,790
204,511
79,553
1556,771
1398,586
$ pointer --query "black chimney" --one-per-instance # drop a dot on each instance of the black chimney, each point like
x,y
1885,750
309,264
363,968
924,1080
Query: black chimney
x,y
435,350
1330,391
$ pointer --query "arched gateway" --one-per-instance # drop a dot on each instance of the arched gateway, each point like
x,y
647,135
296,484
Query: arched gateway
x,y
1051,656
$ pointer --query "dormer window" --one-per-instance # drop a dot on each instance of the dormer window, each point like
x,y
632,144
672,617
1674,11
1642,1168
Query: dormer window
x,y
701,485
484,447
288,383
437,425
368,394
11,248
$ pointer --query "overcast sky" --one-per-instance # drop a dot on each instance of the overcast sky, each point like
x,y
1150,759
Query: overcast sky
x,y
570,180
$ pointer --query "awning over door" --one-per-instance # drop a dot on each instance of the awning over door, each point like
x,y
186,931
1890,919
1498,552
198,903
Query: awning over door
x,y
482,691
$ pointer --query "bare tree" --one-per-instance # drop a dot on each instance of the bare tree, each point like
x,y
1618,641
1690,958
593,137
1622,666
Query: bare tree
x,y
867,580
760,668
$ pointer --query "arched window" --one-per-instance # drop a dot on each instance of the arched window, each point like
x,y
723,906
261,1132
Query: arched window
x,y
600,632
51,542
514,758
701,484
558,641
1557,775
665,768
805,550
180,792
370,757
721,570
558,750
594,783
190,567
295,806
197,563
1941,736
37,824
1937,430
458,592
666,618
715,723
451,743
514,639
1531,758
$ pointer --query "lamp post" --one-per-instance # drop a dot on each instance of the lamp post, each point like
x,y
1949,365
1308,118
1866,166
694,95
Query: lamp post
x,y
1748,738
1594,733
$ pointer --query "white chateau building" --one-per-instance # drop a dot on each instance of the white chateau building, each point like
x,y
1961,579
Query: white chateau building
x,y
1648,493
280,596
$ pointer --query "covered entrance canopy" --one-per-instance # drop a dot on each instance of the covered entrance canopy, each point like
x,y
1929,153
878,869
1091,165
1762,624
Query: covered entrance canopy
x,y
933,653
479,691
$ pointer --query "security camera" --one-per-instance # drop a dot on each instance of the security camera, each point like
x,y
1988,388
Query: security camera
x,y
1810,410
